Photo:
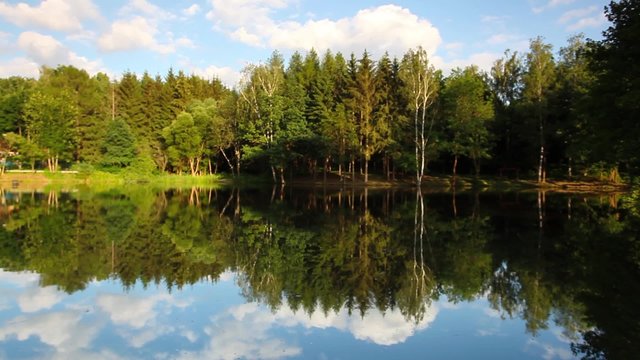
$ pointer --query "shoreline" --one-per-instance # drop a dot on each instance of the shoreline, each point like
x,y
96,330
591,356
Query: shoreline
x,y
23,180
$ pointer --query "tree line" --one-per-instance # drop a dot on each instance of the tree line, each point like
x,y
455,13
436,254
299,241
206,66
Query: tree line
x,y
566,114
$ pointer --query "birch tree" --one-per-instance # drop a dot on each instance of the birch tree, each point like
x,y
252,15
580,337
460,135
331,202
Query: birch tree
x,y
422,82
538,80
260,90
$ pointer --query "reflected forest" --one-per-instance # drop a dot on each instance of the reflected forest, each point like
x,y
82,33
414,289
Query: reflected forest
x,y
564,259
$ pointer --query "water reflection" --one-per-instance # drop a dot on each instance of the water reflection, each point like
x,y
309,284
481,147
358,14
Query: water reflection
x,y
381,266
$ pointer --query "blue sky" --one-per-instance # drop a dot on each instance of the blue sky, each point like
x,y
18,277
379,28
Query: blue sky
x,y
220,37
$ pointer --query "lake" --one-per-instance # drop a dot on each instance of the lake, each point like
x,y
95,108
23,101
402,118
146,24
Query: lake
x,y
318,274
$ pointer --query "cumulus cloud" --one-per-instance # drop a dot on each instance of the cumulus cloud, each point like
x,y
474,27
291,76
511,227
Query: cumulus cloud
x,y
229,78
46,50
138,33
59,15
384,28
191,10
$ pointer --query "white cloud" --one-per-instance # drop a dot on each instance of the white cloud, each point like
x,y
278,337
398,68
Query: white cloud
x,y
21,279
229,78
550,351
191,10
244,331
59,15
454,46
582,18
185,42
189,335
132,311
483,60
576,14
39,298
61,330
493,18
135,33
384,28
139,33
551,4
46,50
147,9
146,335
498,39
6,45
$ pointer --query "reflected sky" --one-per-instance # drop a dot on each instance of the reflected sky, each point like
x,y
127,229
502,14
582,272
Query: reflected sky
x,y
212,320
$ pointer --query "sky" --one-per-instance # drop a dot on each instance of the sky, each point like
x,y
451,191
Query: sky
x,y
218,38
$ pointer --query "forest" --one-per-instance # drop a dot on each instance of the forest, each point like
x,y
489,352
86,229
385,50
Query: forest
x,y
567,113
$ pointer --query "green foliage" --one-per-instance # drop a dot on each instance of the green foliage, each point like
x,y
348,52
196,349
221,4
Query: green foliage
x,y
613,106
468,109
50,123
183,143
26,151
119,148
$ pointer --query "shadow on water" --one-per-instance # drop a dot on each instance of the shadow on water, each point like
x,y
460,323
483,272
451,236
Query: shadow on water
x,y
569,259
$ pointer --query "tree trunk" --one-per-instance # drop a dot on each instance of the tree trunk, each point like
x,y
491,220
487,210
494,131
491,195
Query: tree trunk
x,y
237,152
455,166
353,171
228,161
366,170
324,173
476,166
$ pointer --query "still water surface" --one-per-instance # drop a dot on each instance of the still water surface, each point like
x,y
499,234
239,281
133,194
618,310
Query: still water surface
x,y
317,274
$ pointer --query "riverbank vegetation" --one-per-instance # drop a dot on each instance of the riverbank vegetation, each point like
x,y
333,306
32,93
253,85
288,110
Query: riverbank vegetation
x,y
570,114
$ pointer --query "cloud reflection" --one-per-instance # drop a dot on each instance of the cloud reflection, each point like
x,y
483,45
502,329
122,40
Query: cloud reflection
x,y
37,298
248,330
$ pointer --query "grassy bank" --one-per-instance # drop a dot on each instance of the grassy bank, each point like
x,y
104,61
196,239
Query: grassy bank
x,y
103,180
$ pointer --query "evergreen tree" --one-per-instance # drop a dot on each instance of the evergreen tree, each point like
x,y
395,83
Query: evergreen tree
x,y
119,146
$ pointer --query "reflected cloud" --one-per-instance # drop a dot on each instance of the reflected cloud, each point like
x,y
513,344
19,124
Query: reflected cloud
x,y
37,298
135,312
246,331
141,338
387,328
61,330
550,351
20,279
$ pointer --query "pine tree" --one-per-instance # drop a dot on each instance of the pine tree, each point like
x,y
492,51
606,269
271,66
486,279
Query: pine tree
x,y
119,146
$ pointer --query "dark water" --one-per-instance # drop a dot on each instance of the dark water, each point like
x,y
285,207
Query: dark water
x,y
224,274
